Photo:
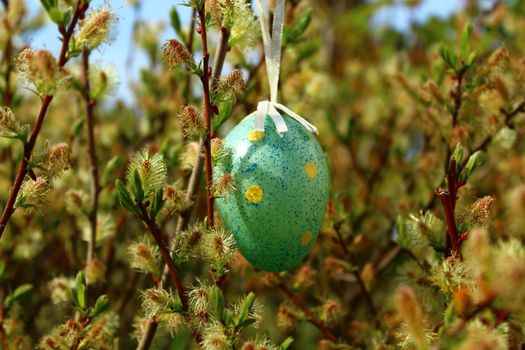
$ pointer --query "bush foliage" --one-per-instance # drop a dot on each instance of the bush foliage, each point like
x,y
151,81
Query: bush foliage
x,y
108,238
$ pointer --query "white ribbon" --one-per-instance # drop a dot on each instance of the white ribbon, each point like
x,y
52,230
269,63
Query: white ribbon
x,y
272,54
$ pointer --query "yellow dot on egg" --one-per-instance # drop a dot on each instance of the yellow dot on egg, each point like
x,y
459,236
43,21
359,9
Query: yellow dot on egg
x,y
306,238
254,194
311,170
255,135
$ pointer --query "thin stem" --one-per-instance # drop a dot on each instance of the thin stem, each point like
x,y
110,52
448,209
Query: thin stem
x,y
307,313
220,54
157,235
46,102
93,166
448,196
208,113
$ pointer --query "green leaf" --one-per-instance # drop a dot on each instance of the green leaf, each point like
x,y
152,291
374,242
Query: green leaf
x,y
216,302
19,293
101,305
74,297
449,56
124,198
175,22
458,156
56,15
470,59
292,35
175,304
228,319
48,4
110,167
225,111
466,37
286,343
77,126
245,309
472,164
137,186
158,203
247,322
81,289
449,316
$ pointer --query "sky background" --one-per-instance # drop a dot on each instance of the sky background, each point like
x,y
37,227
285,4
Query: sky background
x,y
116,52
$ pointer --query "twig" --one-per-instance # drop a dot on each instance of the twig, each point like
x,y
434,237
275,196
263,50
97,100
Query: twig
x,y
208,113
46,102
220,55
168,261
448,196
90,124
307,313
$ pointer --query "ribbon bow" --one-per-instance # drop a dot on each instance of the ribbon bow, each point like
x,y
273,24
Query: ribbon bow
x,y
272,54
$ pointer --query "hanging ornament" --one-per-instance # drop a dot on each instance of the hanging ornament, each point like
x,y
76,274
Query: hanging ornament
x,y
280,173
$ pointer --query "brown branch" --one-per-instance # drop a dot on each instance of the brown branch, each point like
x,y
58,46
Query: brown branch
x,y
46,102
208,114
184,218
168,261
307,313
90,125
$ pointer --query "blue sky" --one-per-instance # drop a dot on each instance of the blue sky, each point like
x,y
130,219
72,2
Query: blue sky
x,y
158,10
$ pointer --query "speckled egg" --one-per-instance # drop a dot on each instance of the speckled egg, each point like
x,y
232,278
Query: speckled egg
x,y
281,194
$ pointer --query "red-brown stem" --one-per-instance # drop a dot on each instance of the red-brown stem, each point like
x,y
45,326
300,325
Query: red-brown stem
x,y
307,313
28,147
157,235
93,167
208,113
452,241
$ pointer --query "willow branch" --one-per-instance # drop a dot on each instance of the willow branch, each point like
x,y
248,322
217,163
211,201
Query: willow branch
x,y
184,218
208,113
46,102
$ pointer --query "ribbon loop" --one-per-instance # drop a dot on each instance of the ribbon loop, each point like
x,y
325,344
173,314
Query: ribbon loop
x,y
272,55
271,109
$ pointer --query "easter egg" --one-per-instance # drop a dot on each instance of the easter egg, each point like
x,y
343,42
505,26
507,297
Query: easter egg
x,y
281,192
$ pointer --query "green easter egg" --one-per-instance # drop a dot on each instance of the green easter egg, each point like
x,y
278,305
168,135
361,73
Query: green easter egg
x,y
282,186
